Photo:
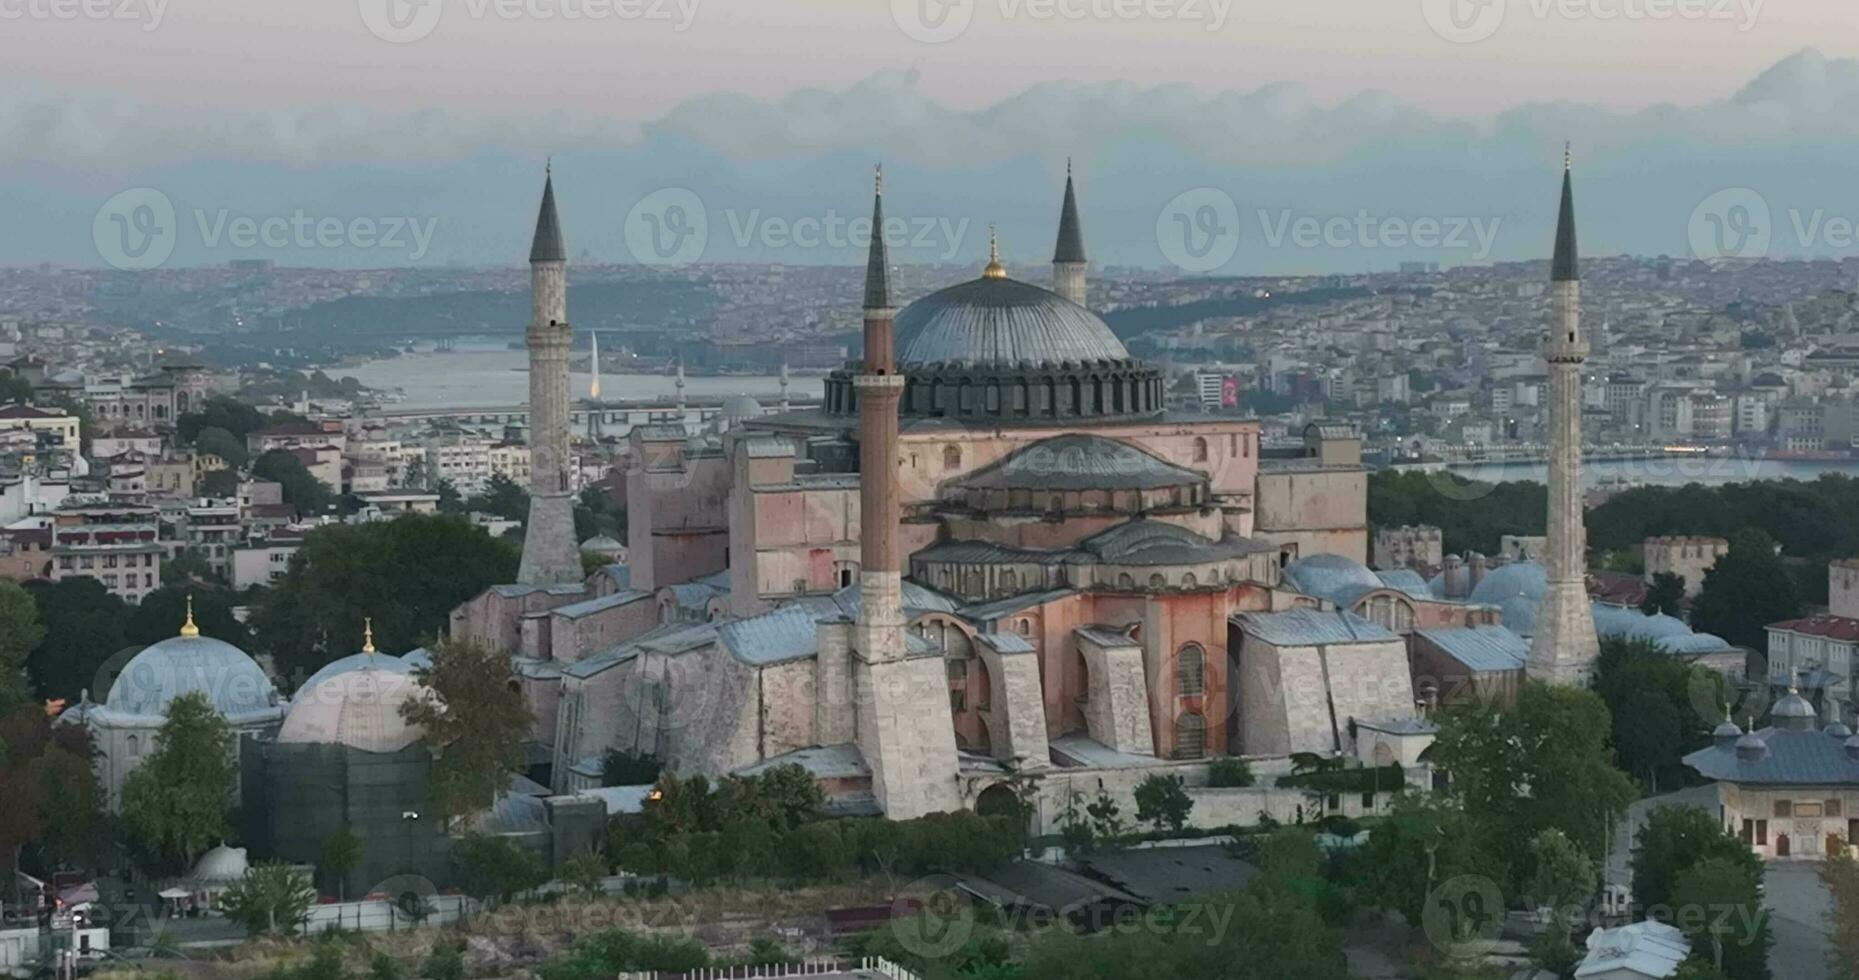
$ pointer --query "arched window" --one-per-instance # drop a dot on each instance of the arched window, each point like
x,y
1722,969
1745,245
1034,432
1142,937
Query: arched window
x,y
951,457
1010,581
1188,581
1190,670
135,746
1156,581
1124,581
1190,736
1200,450
1025,626
1403,616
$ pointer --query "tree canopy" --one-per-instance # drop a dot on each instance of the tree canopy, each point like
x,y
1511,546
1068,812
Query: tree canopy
x,y
302,489
474,719
20,632
83,629
48,785
1749,588
175,803
408,574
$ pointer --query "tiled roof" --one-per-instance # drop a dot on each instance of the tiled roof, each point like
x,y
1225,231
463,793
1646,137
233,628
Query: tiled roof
x,y
1793,757
1486,648
1830,627
1308,627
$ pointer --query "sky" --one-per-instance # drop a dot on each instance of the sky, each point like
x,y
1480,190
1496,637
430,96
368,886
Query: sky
x,y
1231,136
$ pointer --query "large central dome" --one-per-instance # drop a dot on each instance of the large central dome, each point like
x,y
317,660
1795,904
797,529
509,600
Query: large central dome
x,y
1007,351
1002,322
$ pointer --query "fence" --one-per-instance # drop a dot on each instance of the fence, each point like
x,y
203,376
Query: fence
x,y
381,915
868,967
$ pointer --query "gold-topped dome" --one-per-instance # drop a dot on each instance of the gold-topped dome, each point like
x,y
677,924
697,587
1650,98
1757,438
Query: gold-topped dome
x,y
188,628
994,269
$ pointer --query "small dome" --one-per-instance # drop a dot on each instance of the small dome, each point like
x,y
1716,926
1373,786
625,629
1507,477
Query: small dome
x,y
355,661
1726,733
232,681
739,407
1794,713
1331,577
1838,730
358,708
1002,322
1751,747
220,865
1517,580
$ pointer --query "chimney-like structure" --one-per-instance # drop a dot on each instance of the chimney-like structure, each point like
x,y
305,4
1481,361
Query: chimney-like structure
x,y
905,729
1068,261
550,556
1564,647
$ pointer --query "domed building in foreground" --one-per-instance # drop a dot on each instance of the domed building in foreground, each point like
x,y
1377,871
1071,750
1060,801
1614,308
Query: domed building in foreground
x,y
125,723
1790,790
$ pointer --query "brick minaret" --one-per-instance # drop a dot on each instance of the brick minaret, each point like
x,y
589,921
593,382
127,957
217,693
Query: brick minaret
x,y
1564,647
1068,261
550,556
905,729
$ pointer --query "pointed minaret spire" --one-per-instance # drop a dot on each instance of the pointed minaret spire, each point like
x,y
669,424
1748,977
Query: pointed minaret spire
x,y
1564,646
878,260
1563,267
549,553
547,246
1068,261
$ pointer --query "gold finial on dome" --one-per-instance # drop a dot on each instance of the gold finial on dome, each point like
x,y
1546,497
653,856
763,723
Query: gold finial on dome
x,y
188,628
367,634
994,268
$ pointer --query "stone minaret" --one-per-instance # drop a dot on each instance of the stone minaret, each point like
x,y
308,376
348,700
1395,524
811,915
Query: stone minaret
x,y
1563,648
905,729
549,553
1068,261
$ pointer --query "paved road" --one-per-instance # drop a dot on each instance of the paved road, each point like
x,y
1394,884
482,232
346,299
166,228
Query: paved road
x,y
1794,892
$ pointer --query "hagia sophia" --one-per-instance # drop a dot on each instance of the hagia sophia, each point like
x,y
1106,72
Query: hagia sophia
x,y
992,561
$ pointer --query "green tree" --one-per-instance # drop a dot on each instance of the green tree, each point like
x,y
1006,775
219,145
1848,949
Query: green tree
x,y
176,802
445,962
1673,839
341,853
344,572
622,768
381,966
474,720
1560,874
1163,801
50,789
1662,708
272,899
496,867
1543,763
219,412
1424,842
14,390
302,489
162,612
1840,874
450,500
502,497
20,632
1718,903
215,441
222,484
1665,595
1749,588
1229,771
83,625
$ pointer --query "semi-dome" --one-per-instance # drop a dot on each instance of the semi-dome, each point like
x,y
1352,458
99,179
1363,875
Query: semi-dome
x,y
1004,322
358,708
1516,590
232,681
1333,577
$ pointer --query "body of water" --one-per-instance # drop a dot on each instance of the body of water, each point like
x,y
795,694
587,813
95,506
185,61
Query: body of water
x,y
1671,471
495,376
